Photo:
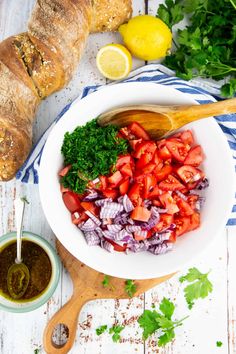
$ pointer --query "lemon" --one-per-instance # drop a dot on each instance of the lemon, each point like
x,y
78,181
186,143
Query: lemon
x,y
146,37
114,61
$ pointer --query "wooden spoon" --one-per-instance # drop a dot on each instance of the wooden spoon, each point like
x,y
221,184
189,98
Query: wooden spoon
x,y
160,121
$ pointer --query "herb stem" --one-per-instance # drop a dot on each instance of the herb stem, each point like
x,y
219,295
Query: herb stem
x,y
233,4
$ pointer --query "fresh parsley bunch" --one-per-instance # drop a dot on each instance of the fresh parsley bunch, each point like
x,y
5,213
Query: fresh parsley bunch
x,y
207,47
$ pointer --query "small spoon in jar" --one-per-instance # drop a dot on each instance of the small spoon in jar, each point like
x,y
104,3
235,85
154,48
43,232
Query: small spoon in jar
x,y
18,275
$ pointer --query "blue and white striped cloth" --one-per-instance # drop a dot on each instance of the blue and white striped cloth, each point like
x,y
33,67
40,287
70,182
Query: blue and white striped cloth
x,y
201,90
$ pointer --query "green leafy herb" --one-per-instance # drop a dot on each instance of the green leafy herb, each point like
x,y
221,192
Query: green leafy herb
x,y
115,330
152,321
200,286
106,281
91,151
130,287
207,47
24,199
101,329
219,343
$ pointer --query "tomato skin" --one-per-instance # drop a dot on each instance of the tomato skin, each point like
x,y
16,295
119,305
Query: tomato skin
x,y
104,182
138,131
90,206
154,194
164,153
143,160
194,221
169,203
145,147
187,137
134,143
173,237
165,221
140,213
194,157
122,160
188,173
134,194
71,201
182,225
126,170
150,181
110,193
171,184
77,221
124,187
163,172
192,199
184,207
117,247
64,171
177,149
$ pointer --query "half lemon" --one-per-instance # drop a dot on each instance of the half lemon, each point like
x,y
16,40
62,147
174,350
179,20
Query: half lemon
x,y
114,61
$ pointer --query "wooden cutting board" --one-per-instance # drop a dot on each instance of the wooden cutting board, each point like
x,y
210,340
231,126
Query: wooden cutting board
x,y
87,284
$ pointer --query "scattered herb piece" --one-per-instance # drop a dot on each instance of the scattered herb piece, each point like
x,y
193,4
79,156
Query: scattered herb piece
x,y
91,151
206,48
24,199
101,329
130,287
151,321
219,343
200,287
115,330
106,281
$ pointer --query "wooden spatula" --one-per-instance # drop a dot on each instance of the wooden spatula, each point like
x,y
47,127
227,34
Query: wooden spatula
x,y
160,121
87,284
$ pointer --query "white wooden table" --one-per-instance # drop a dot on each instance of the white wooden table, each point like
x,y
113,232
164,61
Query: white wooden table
x,y
211,320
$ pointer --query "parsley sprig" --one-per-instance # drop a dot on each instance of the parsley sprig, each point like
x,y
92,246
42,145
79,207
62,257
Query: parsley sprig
x,y
207,47
199,287
91,151
130,287
115,331
100,330
152,321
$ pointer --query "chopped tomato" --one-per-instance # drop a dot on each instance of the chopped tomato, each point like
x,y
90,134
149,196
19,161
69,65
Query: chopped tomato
x,y
172,237
123,187
182,225
187,137
194,157
192,199
138,131
194,221
165,221
90,206
189,174
140,213
145,147
64,171
164,153
156,159
133,143
78,219
110,193
171,184
139,237
117,247
148,168
115,179
177,149
184,207
125,133
163,172
122,160
150,182
154,193
144,160
71,201
134,194
169,203
64,189
126,170
104,182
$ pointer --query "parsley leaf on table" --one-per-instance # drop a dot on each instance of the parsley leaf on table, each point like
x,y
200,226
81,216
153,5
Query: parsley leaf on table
x,y
106,281
219,343
200,286
207,46
115,330
101,329
130,287
152,321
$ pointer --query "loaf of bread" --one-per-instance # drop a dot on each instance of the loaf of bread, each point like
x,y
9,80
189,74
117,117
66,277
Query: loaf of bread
x,y
35,64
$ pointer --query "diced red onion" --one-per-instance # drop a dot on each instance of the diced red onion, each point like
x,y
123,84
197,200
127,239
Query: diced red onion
x,y
107,246
133,228
181,195
108,234
121,219
93,217
96,180
203,184
106,221
92,238
99,232
76,215
120,235
91,196
89,225
130,221
110,210
101,202
161,249
147,203
142,233
120,199
137,246
128,205
114,228
154,219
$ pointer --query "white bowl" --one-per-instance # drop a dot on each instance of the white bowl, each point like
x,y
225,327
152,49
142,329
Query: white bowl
x,y
218,166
